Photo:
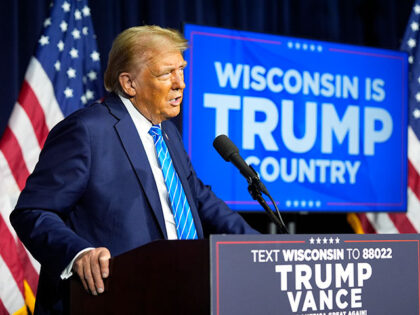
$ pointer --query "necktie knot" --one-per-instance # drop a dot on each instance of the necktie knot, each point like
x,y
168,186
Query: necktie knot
x,y
155,132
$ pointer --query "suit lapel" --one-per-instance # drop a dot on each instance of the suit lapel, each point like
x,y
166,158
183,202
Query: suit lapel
x,y
133,146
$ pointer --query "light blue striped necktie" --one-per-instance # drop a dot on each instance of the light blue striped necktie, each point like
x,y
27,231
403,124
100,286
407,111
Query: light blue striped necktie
x,y
185,226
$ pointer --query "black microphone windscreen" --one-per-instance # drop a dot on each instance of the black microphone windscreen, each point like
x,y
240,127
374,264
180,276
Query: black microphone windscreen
x,y
225,147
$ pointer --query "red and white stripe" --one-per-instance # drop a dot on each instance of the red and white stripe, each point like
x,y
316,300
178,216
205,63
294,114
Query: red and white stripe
x,y
401,222
33,115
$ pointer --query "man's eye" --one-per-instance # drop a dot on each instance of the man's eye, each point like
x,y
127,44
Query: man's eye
x,y
164,75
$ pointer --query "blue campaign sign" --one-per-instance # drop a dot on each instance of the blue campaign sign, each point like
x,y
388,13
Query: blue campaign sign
x,y
323,124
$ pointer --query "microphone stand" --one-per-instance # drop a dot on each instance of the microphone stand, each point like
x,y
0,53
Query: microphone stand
x,y
255,188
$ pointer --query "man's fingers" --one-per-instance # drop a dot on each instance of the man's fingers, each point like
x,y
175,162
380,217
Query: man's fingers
x,y
96,274
88,277
92,266
79,272
104,263
79,269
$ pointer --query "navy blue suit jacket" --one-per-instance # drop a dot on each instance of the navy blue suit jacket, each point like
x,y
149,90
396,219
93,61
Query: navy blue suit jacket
x,y
93,187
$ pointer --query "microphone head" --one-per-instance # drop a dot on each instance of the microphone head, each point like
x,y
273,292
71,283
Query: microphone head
x,y
225,147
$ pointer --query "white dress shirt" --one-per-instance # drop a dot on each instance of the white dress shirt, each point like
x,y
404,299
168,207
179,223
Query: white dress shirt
x,y
143,126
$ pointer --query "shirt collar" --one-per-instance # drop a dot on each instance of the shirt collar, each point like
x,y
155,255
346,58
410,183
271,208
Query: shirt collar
x,y
143,123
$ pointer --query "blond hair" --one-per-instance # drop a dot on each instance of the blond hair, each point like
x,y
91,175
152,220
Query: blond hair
x,y
133,46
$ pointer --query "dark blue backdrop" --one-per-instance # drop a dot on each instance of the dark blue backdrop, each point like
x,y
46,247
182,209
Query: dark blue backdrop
x,y
378,23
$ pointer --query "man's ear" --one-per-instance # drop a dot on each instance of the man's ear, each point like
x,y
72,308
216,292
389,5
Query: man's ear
x,y
127,84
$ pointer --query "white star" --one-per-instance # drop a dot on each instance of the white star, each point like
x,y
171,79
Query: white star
x,y
418,80
44,40
86,11
89,94
297,45
325,240
85,30
318,240
60,45
66,6
288,203
416,113
318,203
319,48
75,33
47,22
57,65
410,59
337,240
417,9
312,47
411,43
83,99
92,75
418,96
290,44
331,240
63,26
414,26
303,203
71,73
310,203
311,240
295,203
84,79
305,46
77,15
74,53
94,56
68,92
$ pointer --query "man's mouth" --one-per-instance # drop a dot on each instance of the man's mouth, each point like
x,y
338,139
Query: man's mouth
x,y
176,100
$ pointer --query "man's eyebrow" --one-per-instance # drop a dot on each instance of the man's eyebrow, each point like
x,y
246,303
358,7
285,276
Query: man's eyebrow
x,y
183,64
171,67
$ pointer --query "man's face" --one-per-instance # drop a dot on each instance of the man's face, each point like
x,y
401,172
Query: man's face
x,y
160,85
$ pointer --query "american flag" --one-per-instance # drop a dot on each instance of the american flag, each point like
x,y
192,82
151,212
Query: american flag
x,y
62,77
408,222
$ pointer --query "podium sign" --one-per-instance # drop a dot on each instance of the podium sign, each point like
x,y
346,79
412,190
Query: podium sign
x,y
315,274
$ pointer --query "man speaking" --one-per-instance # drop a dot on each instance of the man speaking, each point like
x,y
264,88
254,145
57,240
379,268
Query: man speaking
x,y
114,176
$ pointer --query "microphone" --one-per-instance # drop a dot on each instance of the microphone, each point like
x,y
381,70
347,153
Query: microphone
x,y
230,153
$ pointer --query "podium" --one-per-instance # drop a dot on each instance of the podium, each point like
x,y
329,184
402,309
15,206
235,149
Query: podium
x,y
343,274
152,279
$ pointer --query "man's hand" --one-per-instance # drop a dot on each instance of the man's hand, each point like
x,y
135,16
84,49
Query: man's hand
x,y
92,266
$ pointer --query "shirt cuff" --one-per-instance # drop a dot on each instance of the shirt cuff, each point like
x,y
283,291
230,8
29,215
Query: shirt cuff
x,y
67,272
